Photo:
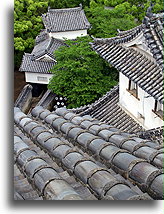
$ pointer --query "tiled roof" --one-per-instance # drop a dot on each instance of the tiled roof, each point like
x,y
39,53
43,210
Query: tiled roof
x,y
131,33
155,134
69,19
55,20
35,66
107,110
47,99
41,36
23,190
23,96
134,64
32,63
153,32
47,46
124,166
46,176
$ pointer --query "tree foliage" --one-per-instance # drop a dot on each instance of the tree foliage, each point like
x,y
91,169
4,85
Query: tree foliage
x,y
28,22
138,7
81,74
106,22
121,14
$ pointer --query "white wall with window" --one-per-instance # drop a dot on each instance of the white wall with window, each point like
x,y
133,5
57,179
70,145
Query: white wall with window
x,y
139,104
68,34
37,77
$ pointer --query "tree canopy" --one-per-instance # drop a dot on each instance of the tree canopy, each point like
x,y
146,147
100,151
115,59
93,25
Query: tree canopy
x,y
119,14
105,22
81,74
27,25
28,22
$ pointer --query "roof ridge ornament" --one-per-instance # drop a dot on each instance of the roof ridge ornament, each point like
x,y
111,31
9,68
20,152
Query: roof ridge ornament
x,y
81,6
118,30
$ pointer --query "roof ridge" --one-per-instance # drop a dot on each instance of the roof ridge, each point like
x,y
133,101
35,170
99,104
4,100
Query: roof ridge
x,y
43,35
51,41
153,31
128,31
65,9
123,38
87,108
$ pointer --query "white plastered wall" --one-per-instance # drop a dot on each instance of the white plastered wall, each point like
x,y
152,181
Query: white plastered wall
x,y
34,77
138,108
69,34
140,45
46,57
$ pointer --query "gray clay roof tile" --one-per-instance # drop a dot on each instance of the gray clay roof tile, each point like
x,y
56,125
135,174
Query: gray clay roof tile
x,y
69,19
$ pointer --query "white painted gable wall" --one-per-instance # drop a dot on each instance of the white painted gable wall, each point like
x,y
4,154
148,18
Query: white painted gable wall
x,y
134,107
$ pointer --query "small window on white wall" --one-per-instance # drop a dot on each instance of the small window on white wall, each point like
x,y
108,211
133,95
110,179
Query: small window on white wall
x,y
158,109
133,89
43,79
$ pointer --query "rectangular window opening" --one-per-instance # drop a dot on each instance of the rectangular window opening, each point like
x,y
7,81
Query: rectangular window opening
x,y
158,109
44,79
133,89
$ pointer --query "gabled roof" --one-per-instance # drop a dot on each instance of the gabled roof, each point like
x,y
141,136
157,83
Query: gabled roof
x,y
137,65
69,19
47,46
35,61
35,66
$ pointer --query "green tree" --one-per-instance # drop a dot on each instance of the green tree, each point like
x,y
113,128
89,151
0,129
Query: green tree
x,y
27,25
81,74
113,3
142,6
28,22
106,22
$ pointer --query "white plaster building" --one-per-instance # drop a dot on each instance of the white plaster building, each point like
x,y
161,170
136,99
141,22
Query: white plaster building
x,y
137,54
60,24
68,23
37,65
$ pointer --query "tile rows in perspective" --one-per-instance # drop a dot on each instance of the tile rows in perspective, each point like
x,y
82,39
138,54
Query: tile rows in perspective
x,y
95,152
110,164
